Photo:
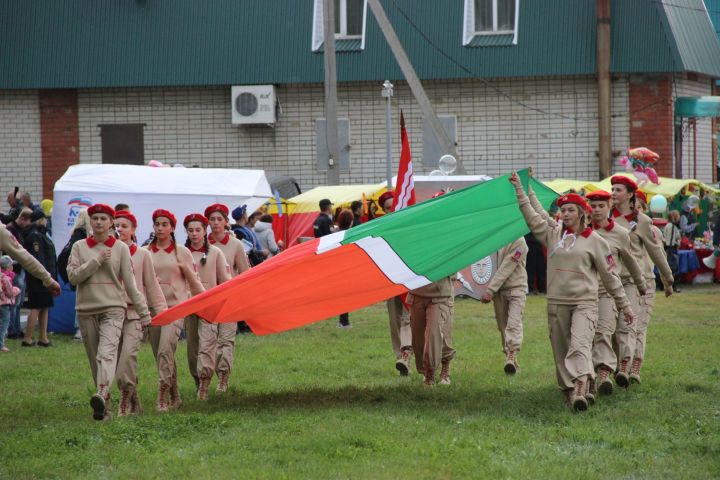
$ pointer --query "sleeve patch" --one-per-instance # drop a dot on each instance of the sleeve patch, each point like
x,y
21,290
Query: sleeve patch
x,y
517,255
610,261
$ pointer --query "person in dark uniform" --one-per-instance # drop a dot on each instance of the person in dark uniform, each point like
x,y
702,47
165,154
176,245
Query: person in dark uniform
x,y
40,298
535,266
324,222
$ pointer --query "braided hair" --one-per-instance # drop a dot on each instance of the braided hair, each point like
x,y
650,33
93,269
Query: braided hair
x,y
172,235
203,260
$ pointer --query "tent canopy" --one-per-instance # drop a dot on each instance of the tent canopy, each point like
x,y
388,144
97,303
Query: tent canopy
x,y
562,185
694,107
669,187
144,189
340,195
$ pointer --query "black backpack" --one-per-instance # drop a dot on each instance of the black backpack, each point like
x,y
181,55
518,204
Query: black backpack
x,y
255,257
64,257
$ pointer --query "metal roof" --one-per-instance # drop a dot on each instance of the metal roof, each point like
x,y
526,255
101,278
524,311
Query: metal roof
x,y
119,43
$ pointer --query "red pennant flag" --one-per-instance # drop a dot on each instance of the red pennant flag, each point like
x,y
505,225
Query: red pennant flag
x,y
405,187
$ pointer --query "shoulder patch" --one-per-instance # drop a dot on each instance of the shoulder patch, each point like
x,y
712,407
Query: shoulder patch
x,y
517,255
610,261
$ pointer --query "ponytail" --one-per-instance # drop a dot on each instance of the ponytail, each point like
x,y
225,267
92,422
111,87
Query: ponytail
x,y
633,209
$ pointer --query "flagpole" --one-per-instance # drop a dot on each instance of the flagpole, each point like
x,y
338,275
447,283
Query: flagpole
x,y
387,92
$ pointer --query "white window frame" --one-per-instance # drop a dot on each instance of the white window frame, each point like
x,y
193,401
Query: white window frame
x,y
469,30
318,30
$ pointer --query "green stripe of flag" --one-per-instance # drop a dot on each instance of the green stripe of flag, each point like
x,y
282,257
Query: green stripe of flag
x,y
441,236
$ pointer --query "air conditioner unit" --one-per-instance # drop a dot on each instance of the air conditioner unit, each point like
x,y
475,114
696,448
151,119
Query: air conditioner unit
x,y
253,105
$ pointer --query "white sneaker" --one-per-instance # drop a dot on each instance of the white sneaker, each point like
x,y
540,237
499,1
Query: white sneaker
x,y
78,335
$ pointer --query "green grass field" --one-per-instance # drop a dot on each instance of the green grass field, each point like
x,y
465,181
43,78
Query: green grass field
x,y
322,402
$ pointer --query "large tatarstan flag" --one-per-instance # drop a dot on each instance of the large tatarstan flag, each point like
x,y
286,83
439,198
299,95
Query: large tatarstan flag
x,y
374,261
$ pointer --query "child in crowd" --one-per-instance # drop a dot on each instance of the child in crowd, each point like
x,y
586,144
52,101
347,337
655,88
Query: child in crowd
x,y
7,297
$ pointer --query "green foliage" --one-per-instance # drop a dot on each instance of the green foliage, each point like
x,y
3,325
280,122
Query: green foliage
x,y
322,402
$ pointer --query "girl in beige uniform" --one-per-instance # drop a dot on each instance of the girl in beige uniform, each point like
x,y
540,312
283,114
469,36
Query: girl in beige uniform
x,y
237,261
507,292
647,302
132,332
609,322
642,241
431,321
576,256
212,270
100,268
175,271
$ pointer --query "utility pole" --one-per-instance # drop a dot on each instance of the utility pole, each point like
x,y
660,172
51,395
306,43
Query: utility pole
x,y
387,92
603,55
414,82
331,135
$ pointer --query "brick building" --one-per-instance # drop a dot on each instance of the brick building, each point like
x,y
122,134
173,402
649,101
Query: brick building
x,y
514,81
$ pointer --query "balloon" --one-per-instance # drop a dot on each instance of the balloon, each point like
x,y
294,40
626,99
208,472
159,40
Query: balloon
x,y
155,163
658,204
447,164
437,173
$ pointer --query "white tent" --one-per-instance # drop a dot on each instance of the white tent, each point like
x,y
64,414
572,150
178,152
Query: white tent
x,y
144,189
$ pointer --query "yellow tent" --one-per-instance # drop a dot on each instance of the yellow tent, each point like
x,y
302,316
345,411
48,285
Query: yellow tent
x,y
303,209
669,187
562,185
339,195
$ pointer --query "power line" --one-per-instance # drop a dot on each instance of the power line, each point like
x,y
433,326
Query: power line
x,y
475,75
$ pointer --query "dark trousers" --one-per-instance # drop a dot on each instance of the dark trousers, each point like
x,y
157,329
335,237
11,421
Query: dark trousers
x,y
536,269
344,319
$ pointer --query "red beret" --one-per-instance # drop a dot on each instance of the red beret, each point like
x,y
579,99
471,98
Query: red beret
x,y
101,208
600,195
127,215
641,196
573,198
217,207
195,217
385,197
161,212
627,181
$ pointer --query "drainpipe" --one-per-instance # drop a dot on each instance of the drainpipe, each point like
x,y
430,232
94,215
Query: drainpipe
x,y
603,56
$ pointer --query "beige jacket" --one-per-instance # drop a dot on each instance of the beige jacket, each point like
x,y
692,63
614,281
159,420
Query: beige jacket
x,y
175,272
648,265
10,246
234,253
618,239
102,286
511,271
644,239
442,288
574,260
215,271
146,282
